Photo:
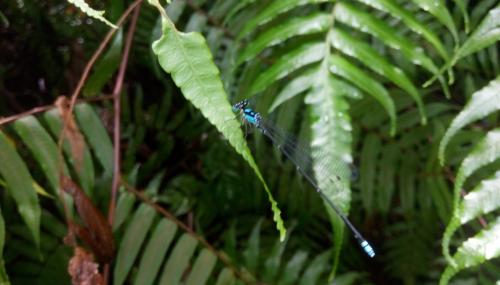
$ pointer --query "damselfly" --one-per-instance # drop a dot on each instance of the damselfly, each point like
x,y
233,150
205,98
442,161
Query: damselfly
x,y
296,153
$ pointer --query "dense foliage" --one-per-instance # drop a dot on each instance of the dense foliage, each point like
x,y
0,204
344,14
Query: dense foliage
x,y
405,90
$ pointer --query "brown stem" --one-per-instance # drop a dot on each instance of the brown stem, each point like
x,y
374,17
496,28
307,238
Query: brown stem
x,y
116,118
117,112
98,52
84,76
45,108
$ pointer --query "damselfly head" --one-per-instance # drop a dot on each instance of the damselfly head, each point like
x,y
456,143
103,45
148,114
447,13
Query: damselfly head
x,y
240,105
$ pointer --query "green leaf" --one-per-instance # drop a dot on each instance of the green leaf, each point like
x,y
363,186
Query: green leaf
x,y
438,9
365,22
271,11
482,103
202,268
123,209
293,268
273,260
315,269
463,7
20,186
4,278
407,181
475,251
340,66
226,277
390,6
86,173
252,252
296,86
373,60
485,152
369,156
105,68
301,56
236,8
155,252
42,146
308,24
178,260
96,136
131,242
487,33
91,12
187,58
387,174
2,235
484,199
331,140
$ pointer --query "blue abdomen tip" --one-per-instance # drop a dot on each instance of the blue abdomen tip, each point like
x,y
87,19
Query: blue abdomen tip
x,y
368,248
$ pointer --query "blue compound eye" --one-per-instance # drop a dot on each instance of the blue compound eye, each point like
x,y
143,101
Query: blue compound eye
x,y
240,105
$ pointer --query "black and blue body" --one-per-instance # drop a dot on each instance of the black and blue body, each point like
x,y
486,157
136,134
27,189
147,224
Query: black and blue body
x,y
249,115
288,147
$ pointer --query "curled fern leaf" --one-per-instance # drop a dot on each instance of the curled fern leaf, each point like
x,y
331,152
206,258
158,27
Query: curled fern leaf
x,y
483,103
187,57
484,153
474,251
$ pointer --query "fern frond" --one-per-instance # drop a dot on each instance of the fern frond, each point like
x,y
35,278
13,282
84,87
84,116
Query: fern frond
x,y
82,5
198,78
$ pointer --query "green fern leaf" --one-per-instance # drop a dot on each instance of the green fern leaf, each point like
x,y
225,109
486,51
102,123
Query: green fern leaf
x,y
487,33
4,278
91,12
482,103
96,135
463,8
293,268
301,56
188,59
369,156
309,24
373,60
365,22
43,148
86,173
237,8
123,209
105,68
155,252
226,277
296,86
342,67
474,251
131,242
438,9
20,186
271,11
410,20
202,268
331,143
387,172
252,252
178,260
317,266
483,153
483,199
